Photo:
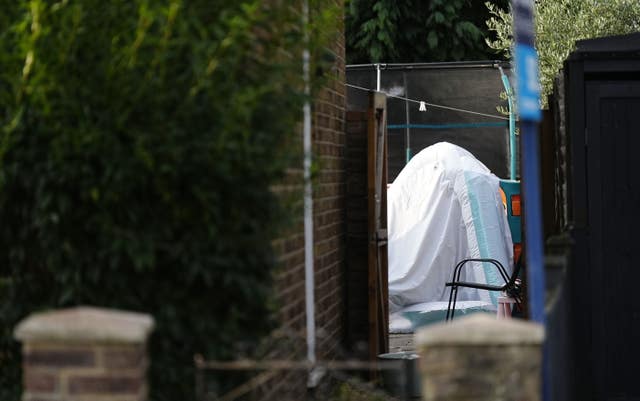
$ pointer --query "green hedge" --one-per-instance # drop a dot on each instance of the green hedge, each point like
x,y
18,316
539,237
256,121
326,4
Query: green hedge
x,y
139,141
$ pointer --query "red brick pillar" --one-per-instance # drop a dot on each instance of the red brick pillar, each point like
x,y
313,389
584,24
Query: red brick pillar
x,y
83,354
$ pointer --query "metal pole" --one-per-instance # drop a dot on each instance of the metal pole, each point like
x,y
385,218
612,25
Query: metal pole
x,y
512,124
534,254
308,201
528,85
406,109
533,218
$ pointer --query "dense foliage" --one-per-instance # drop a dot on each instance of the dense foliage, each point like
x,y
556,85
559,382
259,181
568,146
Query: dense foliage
x,y
139,141
559,23
416,30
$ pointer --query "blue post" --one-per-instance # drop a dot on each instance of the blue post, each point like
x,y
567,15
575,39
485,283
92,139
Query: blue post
x,y
533,232
533,219
528,91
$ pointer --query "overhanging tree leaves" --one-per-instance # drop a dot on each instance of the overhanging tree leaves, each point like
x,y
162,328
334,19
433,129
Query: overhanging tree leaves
x,y
416,30
559,24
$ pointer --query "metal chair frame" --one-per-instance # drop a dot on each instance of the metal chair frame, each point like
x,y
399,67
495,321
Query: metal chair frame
x,y
510,285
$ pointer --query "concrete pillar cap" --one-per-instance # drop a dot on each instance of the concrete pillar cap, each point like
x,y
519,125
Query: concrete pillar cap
x,y
481,329
85,325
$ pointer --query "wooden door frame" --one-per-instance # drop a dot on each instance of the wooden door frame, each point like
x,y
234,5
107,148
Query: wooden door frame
x,y
377,176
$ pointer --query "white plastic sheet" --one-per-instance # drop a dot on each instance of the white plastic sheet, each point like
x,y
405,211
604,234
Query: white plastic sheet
x,y
443,207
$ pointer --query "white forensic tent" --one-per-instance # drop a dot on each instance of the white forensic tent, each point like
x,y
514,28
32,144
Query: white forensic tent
x,y
443,207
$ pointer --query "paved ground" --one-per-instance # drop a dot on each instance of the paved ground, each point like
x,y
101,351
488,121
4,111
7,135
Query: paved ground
x,y
401,342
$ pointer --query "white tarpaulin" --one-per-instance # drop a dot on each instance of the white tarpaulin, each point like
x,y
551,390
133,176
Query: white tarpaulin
x,y
443,207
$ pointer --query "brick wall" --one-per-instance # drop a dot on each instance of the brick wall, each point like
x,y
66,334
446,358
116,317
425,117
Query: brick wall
x,y
329,226
84,372
329,211
83,354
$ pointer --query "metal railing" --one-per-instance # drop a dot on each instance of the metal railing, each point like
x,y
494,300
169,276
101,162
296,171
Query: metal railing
x,y
277,371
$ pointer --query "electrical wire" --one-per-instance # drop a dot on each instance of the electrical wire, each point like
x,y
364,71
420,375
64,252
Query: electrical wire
x,y
438,106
